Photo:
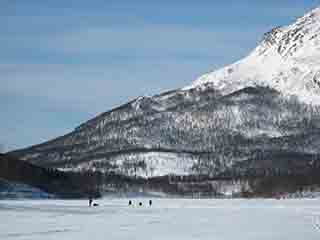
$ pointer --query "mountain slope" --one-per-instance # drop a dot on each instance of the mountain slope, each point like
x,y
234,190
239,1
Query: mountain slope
x,y
242,119
207,136
287,59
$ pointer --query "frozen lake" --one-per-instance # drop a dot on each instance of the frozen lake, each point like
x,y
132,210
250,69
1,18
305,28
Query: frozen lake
x,y
166,219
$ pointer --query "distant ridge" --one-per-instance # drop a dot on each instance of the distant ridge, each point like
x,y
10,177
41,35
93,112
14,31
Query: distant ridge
x,y
59,184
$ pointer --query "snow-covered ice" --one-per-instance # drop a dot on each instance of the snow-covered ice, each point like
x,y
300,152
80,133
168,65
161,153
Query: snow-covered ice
x,y
165,219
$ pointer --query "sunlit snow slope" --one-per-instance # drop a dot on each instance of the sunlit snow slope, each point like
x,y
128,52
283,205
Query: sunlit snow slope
x,y
287,59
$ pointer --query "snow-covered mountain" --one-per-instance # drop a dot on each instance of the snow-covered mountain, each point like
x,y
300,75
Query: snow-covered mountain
x,y
243,119
287,59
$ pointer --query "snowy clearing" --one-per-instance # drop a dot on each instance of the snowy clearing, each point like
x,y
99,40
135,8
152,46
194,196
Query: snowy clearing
x,y
165,219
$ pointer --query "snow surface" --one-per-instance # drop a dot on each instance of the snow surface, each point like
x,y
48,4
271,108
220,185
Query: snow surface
x,y
166,219
157,164
287,59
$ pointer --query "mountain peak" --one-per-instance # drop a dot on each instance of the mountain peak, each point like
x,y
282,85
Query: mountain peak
x,y
313,14
287,59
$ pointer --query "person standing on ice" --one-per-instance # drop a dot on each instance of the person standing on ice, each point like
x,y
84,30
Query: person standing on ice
x,y
90,201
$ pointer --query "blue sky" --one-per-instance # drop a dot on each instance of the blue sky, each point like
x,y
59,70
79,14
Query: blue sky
x,y
63,62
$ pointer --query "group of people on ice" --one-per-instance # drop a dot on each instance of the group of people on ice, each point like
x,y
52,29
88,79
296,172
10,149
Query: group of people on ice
x,y
130,203
140,203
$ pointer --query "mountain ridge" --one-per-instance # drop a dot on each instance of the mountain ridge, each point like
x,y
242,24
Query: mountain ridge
x,y
228,118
